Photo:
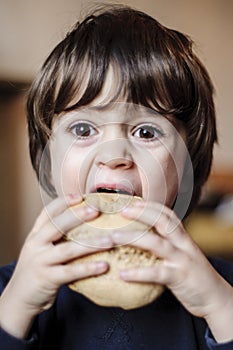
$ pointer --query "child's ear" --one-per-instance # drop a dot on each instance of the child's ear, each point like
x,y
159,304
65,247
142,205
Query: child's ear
x,y
45,174
186,185
184,195
47,184
187,181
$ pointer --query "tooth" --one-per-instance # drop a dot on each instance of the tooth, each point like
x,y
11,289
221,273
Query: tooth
x,y
111,190
102,189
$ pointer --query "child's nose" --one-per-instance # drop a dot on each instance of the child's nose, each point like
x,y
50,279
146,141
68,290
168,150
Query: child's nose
x,y
114,155
113,163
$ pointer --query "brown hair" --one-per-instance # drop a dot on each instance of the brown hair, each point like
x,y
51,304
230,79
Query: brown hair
x,y
157,68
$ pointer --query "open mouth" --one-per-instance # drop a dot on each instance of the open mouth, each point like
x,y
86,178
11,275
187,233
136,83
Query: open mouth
x,y
118,188
113,190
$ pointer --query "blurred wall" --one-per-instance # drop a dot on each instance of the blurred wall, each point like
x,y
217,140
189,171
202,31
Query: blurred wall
x,y
20,196
28,31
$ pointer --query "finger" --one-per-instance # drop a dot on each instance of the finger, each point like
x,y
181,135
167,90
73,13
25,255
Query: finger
x,y
64,222
149,241
55,208
161,218
70,250
158,273
70,272
151,212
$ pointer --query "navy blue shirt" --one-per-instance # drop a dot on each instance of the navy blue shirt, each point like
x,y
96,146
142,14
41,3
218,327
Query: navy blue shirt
x,y
75,323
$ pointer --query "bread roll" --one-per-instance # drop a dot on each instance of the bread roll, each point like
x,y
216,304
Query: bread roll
x,y
109,289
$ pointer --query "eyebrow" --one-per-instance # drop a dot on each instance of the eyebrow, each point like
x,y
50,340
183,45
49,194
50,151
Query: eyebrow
x,y
128,107
136,108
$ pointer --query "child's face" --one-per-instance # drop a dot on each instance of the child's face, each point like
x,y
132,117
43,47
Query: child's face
x,y
122,147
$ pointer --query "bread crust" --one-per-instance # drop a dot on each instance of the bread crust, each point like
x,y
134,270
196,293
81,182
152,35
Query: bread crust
x,y
109,289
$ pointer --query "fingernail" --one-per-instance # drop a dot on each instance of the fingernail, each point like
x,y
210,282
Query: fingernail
x,y
118,237
127,209
139,203
90,210
124,274
101,265
74,197
106,241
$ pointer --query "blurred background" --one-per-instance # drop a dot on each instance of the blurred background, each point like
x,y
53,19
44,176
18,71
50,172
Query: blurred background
x,y
29,29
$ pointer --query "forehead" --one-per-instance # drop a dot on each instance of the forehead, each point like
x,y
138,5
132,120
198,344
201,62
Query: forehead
x,y
115,112
111,106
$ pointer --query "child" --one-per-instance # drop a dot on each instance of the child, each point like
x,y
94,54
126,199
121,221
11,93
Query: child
x,y
119,105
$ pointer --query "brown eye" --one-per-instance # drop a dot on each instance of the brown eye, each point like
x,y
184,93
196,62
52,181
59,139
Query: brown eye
x,y
147,132
83,130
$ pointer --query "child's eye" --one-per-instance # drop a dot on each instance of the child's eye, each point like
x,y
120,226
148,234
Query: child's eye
x,y
83,129
147,132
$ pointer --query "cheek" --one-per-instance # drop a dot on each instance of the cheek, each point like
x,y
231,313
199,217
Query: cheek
x,y
66,172
160,179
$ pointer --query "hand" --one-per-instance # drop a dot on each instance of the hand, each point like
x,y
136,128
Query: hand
x,y
43,266
183,268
